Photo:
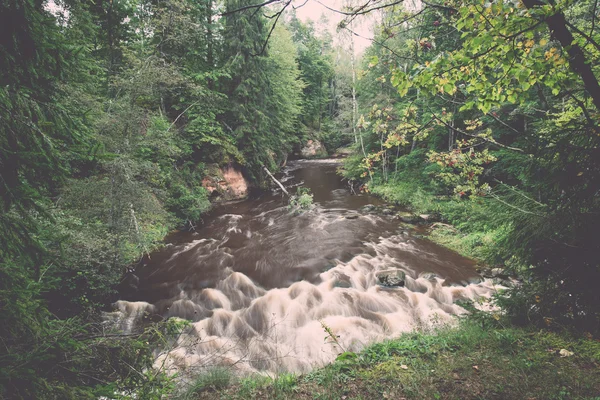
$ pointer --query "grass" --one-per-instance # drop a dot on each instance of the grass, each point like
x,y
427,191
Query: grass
x,y
472,232
212,379
468,362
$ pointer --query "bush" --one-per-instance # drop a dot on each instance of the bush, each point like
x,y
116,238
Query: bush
x,y
301,201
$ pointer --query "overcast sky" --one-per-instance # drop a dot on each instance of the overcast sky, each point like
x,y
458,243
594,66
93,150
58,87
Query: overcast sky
x,y
313,9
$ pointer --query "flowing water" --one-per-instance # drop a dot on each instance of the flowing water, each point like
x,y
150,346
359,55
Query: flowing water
x,y
260,283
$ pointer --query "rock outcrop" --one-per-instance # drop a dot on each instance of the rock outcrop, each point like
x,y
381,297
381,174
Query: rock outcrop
x,y
313,149
226,183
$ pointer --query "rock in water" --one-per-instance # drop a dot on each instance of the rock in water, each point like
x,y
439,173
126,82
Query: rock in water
x,y
313,149
368,208
391,278
407,217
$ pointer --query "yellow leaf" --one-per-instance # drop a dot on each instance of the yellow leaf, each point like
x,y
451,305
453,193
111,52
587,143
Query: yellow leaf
x,y
543,42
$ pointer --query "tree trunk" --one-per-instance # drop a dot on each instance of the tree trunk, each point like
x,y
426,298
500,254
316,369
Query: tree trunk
x,y
558,26
354,105
275,180
209,41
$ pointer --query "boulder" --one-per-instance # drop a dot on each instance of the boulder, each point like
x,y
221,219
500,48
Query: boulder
x,y
429,218
407,217
368,208
498,273
313,149
430,276
387,211
226,182
395,278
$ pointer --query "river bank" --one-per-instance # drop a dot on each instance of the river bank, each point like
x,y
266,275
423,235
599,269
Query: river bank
x,y
230,350
477,360
250,350
258,283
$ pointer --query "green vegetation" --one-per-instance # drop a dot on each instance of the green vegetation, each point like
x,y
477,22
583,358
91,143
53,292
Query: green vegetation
x,y
482,113
213,379
485,114
112,113
301,201
473,361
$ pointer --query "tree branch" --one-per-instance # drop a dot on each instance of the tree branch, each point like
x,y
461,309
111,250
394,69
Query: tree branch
x,y
557,23
277,16
361,10
489,140
584,35
266,3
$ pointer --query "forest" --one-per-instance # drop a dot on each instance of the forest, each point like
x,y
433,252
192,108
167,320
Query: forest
x,y
481,116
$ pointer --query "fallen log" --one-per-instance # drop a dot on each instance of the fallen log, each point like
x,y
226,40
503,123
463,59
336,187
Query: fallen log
x,y
275,180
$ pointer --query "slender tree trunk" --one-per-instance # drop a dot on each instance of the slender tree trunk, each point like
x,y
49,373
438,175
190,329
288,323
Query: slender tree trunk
x,y
209,41
354,105
451,135
357,133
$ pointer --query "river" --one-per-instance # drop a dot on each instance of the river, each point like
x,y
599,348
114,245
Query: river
x,y
259,283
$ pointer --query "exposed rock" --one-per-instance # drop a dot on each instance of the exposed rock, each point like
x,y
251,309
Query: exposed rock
x,y
565,353
394,278
430,276
507,282
429,218
343,152
352,216
498,273
227,182
475,280
407,217
130,281
313,149
387,211
368,208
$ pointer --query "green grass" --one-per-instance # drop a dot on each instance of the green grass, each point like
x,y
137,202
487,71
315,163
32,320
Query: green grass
x,y
468,362
469,227
212,379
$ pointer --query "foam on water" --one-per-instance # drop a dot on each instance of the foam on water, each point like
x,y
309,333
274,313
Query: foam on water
x,y
260,284
281,329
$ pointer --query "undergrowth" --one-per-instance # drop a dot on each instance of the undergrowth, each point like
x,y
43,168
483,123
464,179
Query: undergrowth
x,y
470,361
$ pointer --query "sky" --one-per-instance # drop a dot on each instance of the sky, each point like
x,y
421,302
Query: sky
x,y
313,9
363,25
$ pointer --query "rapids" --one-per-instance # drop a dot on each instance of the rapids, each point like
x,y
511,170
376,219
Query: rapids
x,y
260,283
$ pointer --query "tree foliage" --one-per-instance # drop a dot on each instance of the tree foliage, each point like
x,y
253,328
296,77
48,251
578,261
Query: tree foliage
x,y
504,96
110,113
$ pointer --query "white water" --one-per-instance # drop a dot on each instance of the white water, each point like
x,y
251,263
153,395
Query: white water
x,y
248,312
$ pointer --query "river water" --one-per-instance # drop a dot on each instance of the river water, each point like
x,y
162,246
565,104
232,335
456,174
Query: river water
x,y
260,283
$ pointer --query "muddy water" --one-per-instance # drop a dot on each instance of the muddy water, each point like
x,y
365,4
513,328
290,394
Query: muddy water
x,y
259,282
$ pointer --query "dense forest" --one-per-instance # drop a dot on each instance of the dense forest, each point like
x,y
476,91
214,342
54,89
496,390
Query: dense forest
x,y
484,116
